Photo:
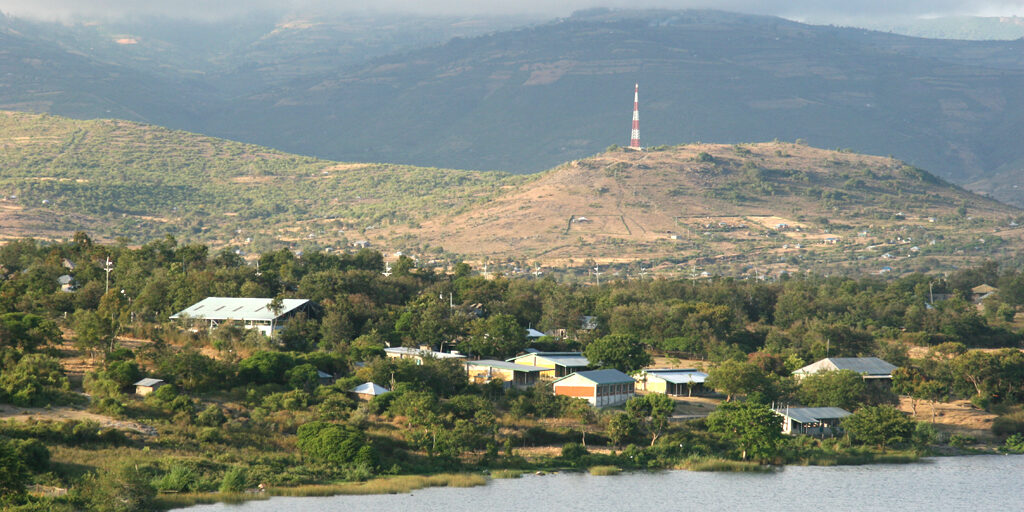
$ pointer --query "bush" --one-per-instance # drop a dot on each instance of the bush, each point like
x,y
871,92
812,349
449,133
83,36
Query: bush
x,y
179,479
235,480
1009,424
1014,444
34,454
573,451
961,441
212,416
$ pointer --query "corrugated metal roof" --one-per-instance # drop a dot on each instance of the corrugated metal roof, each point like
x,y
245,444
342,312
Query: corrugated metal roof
x,y
409,351
505,365
567,359
238,308
148,382
534,333
369,388
871,366
679,376
602,376
812,414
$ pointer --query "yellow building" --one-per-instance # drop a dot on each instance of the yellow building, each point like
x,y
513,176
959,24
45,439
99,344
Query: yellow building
x,y
672,381
510,374
556,364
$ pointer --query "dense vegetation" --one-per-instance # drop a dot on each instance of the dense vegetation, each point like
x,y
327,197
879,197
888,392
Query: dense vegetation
x,y
242,409
125,177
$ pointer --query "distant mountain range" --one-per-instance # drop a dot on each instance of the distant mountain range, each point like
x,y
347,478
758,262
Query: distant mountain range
x,y
526,99
724,209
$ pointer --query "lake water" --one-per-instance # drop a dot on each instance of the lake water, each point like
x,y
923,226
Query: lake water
x,y
977,483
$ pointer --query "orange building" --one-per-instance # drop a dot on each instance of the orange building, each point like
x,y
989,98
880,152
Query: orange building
x,y
602,388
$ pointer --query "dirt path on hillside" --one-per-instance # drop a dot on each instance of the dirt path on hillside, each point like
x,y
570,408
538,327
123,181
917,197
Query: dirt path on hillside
x,y
10,412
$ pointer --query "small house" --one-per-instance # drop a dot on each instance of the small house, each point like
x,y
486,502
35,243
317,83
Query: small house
x,y
67,283
249,312
981,292
555,364
812,421
509,374
533,334
602,388
672,381
871,368
419,354
368,390
148,386
325,379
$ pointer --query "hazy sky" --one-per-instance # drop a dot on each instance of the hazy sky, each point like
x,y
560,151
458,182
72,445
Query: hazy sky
x,y
796,9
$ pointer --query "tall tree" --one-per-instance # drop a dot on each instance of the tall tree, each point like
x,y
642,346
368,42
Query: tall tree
x,y
620,351
754,428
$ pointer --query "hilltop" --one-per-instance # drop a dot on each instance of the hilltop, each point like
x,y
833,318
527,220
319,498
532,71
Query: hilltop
x,y
733,209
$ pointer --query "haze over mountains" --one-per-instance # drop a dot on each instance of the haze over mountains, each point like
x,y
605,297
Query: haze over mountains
x,y
391,89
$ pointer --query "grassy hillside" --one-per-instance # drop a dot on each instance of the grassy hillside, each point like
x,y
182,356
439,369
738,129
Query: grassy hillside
x,y
743,209
124,179
684,208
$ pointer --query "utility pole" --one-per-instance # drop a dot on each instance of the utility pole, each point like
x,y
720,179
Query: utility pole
x,y
597,274
107,267
387,269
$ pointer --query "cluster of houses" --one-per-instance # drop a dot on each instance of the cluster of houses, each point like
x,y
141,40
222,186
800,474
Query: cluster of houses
x,y
568,372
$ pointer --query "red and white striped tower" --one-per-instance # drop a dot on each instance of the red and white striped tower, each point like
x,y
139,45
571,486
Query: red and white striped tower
x,y
634,138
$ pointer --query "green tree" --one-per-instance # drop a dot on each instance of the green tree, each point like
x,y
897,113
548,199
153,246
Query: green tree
x,y
737,378
499,336
880,425
620,351
651,413
35,380
27,331
14,476
753,428
843,388
621,428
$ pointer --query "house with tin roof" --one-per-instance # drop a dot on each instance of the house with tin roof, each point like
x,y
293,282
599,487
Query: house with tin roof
x,y
419,354
812,421
511,375
368,390
868,367
252,313
672,381
148,386
556,364
602,388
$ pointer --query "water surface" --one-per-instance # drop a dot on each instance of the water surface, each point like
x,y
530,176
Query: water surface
x,y
975,483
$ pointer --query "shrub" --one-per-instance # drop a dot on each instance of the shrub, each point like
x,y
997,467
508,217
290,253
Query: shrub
x,y
179,479
1009,424
573,451
235,480
212,416
605,470
1014,444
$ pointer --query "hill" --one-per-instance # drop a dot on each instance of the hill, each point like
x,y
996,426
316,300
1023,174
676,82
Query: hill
x,y
716,207
122,179
735,209
527,99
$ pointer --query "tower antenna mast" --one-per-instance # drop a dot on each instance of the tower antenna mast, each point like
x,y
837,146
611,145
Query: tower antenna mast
x,y
634,137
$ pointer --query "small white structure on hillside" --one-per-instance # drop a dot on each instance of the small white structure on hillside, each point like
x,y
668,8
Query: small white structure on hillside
x,y
419,354
148,386
368,390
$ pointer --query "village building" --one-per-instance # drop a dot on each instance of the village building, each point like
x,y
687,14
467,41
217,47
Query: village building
x,y
511,375
602,388
252,313
147,386
555,364
812,421
672,381
368,390
533,334
419,354
324,378
871,368
67,283
981,292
